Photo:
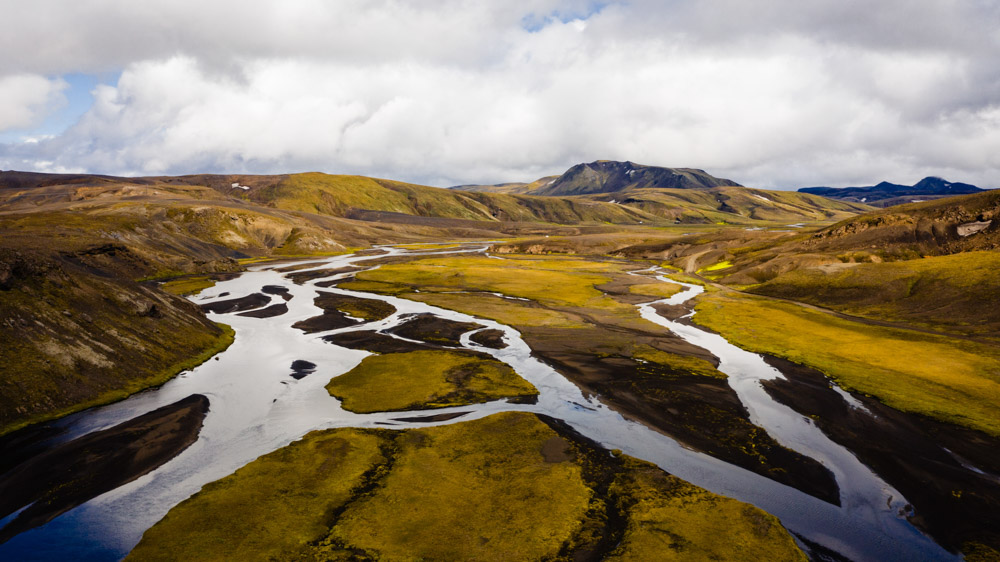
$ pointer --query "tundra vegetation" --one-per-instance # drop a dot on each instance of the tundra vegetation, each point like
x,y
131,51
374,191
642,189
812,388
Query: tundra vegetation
x,y
426,379
949,379
510,486
896,305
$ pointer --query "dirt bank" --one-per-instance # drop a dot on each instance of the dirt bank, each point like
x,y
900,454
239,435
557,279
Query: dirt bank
x,y
72,473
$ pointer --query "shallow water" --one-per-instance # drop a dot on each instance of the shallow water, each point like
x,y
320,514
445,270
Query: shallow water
x,y
257,407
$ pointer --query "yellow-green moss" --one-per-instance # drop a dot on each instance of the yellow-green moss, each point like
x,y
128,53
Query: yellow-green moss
x,y
512,313
273,508
692,365
948,379
718,266
671,519
131,386
481,490
659,290
188,285
425,379
505,487
556,281
942,292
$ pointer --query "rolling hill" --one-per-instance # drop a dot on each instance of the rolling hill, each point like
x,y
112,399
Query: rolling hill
x,y
69,240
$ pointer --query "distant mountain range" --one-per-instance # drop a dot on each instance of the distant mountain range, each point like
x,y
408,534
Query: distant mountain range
x,y
886,194
679,195
607,176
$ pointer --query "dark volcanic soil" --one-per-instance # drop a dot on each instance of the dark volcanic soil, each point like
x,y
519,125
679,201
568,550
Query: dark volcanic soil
x,y
303,276
72,473
492,339
433,418
672,311
333,316
302,368
249,302
432,329
375,342
277,290
269,312
702,412
955,504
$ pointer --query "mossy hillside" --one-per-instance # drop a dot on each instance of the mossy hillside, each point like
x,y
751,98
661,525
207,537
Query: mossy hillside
x,y
340,195
735,205
426,379
74,340
189,285
506,487
337,195
896,234
949,379
928,228
939,292
169,238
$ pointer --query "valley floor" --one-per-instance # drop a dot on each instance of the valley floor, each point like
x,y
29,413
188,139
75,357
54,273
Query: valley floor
x,y
470,398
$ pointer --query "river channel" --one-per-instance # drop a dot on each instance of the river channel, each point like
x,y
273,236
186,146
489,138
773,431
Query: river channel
x,y
256,408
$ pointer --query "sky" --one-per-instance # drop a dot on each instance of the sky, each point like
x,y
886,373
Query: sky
x,y
775,94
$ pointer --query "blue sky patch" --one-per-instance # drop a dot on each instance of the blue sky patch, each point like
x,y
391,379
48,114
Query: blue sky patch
x,y
534,23
79,99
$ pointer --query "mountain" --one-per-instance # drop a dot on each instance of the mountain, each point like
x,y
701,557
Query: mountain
x,y
605,176
678,195
887,194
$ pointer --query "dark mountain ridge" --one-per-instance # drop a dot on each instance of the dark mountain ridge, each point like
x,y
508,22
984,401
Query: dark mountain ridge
x,y
886,194
606,176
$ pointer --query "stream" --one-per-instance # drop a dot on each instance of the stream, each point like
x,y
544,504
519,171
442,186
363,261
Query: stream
x,y
256,407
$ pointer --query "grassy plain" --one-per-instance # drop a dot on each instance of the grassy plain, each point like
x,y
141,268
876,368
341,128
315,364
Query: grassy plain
x,y
553,280
506,487
949,379
426,379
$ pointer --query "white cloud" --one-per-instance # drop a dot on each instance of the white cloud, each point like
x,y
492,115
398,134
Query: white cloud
x,y
777,94
26,99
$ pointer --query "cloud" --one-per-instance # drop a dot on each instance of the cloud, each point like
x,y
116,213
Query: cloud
x,y
779,94
25,100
